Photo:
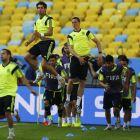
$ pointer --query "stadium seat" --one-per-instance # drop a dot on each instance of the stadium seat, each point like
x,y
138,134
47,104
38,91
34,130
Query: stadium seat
x,y
27,29
36,17
57,50
121,25
108,38
116,31
109,11
4,29
108,24
67,1
84,24
28,17
103,18
116,18
127,45
132,1
79,1
17,23
103,31
135,5
105,1
82,5
62,42
136,45
16,17
129,31
57,29
133,25
120,12
28,23
96,5
49,4
16,29
104,45
114,45
59,5
14,42
71,5
108,51
133,38
22,50
92,44
124,5
1,8
91,18
121,38
137,18
31,10
132,12
12,49
5,23
2,47
55,16
91,1
57,43
92,12
93,30
131,53
23,4
79,12
96,24
67,12
48,11
8,10
81,17
137,32
20,10
109,5
59,37
2,3
5,17
33,4
68,24
66,30
10,4
120,51
56,23
94,51
3,42
63,20
28,36
16,36
98,36
56,11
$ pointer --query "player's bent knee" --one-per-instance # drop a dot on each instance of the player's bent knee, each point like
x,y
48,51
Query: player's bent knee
x,y
46,102
74,102
7,114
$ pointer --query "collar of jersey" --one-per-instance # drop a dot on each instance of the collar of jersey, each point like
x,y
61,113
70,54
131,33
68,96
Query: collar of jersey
x,y
43,16
6,65
77,31
114,68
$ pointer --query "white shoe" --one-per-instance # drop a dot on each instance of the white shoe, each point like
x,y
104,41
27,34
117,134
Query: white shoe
x,y
50,122
108,128
125,128
39,77
61,83
117,126
66,104
59,123
11,136
17,115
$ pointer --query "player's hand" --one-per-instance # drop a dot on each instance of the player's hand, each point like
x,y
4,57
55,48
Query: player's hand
x,y
27,43
82,60
133,98
37,34
107,86
125,88
90,64
100,56
34,92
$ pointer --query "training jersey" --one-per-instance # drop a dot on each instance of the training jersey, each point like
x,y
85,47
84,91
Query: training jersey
x,y
42,24
113,77
51,82
8,79
64,61
80,41
133,79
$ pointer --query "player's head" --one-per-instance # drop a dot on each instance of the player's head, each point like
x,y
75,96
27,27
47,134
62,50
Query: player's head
x,y
63,51
52,60
41,7
76,22
66,49
120,57
109,60
124,62
5,55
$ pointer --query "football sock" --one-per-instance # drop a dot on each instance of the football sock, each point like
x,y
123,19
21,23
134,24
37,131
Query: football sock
x,y
11,131
68,119
125,124
128,123
50,117
78,100
73,119
109,124
47,109
60,110
63,120
44,120
68,97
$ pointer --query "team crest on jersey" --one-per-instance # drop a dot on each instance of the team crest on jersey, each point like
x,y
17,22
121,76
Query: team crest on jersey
x,y
8,70
83,33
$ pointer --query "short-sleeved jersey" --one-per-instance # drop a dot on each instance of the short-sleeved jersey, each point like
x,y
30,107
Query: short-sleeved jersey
x,y
139,74
80,41
113,77
51,83
8,79
41,25
132,78
64,61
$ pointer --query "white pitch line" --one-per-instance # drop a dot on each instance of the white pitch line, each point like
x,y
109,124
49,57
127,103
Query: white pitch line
x,y
6,126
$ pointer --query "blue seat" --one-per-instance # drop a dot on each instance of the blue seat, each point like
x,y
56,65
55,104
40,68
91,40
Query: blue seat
x,y
132,12
121,38
93,30
28,23
66,30
118,1
56,43
49,3
2,47
33,4
95,51
27,30
1,9
138,0
36,17
23,4
14,42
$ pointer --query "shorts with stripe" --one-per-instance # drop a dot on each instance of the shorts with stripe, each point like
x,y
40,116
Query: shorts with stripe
x,y
44,48
126,104
6,104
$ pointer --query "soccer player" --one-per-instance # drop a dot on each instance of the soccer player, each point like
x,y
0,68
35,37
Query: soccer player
x,y
43,29
126,98
52,95
120,57
9,72
78,45
111,74
65,61
138,77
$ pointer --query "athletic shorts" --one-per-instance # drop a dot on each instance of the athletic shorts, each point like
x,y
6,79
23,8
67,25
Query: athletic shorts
x,y
53,97
126,104
112,100
44,48
78,70
7,104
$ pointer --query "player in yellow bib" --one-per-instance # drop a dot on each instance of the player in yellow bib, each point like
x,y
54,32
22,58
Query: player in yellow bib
x,y
43,29
9,72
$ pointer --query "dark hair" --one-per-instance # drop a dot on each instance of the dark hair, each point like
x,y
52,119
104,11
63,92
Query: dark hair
x,y
109,58
125,59
52,56
120,57
7,51
76,18
65,45
63,50
41,3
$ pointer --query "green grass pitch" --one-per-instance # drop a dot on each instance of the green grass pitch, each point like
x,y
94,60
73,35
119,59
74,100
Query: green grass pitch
x,y
32,131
